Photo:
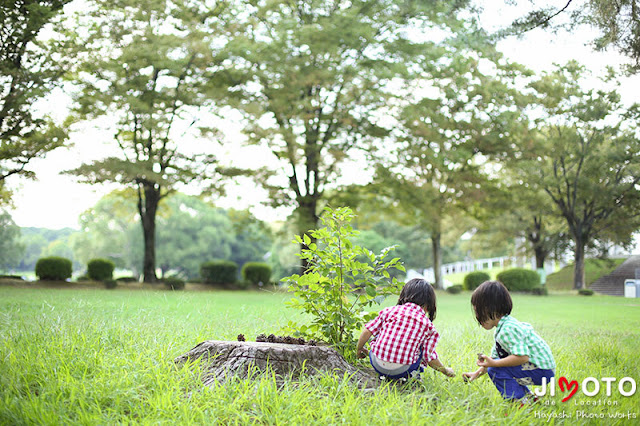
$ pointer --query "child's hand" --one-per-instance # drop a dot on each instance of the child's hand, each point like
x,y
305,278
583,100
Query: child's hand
x,y
448,371
362,353
485,361
470,376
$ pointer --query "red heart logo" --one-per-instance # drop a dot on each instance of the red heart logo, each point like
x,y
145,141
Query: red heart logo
x,y
572,387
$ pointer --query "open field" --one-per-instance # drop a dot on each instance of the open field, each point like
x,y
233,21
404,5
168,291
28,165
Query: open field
x,y
93,356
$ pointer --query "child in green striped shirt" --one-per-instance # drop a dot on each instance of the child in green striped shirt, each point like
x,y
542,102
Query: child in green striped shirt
x,y
520,357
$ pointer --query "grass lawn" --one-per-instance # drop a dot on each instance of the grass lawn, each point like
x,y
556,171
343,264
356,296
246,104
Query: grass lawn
x,y
106,357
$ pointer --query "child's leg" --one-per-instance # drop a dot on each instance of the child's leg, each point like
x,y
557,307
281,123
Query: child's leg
x,y
512,381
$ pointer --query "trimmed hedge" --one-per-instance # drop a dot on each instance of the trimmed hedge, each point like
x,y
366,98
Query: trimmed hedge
x,y
53,268
127,279
585,292
473,279
174,283
100,269
256,272
519,279
454,289
219,272
540,291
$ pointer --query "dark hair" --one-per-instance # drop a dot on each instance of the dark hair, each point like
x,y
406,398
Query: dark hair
x,y
491,300
421,293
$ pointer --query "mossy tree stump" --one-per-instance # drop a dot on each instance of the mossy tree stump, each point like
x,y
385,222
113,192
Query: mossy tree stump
x,y
223,360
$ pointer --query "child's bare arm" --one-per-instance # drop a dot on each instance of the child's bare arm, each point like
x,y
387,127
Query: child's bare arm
x,y
509,361
438,366
361,352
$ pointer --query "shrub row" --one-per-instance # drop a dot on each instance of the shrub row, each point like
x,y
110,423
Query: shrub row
x,y
213,272
515,279
226,272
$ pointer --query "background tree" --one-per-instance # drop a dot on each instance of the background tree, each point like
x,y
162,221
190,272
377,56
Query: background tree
x,y
458,116
110,230
150,67
192,231
30,67
517,211
618,23
11,248
587,159
317,74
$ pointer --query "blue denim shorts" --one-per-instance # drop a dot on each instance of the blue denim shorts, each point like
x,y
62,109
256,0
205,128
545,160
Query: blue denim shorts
x,y
402,372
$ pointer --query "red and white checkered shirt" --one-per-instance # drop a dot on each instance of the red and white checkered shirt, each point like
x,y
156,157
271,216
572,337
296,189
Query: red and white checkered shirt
x,y
400,332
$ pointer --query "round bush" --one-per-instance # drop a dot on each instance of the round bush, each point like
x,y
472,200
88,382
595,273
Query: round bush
x,y
174,283
473,279
100,269
585,292
454,289
219,272
519,279
539,291
256,272
53,268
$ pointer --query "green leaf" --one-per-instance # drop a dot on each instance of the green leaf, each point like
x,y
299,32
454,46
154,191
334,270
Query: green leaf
x,y
371,290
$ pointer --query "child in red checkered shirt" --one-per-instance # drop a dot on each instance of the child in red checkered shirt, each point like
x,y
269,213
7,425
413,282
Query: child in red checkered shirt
x,y
404,337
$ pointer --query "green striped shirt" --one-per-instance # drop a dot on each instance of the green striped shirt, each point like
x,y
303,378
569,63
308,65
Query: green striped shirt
x,y
518,338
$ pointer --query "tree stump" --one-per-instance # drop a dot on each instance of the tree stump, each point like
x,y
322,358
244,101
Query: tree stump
x,y
223,360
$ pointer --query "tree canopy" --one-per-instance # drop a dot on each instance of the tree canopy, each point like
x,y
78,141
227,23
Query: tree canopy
x,y
30,67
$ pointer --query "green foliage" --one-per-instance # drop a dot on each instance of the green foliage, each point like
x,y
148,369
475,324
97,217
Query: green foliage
x,y
191,231
312,92
100,269
31,66
159,77
585,292
53,268
256,272
219,272
586,161
473,279
174,283
11,248
593,269
38,243
540,291
454,289
519,279
110,226
127,279
337,287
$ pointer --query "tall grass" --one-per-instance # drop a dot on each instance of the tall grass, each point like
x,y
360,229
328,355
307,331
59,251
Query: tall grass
x,y
106,357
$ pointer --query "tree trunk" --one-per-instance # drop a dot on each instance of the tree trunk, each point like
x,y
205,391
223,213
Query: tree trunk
x,y
147,207
536,239
578,269
541,255
437,258
223,360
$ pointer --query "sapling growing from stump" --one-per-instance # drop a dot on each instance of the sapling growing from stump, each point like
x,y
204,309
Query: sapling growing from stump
x,y
342,280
